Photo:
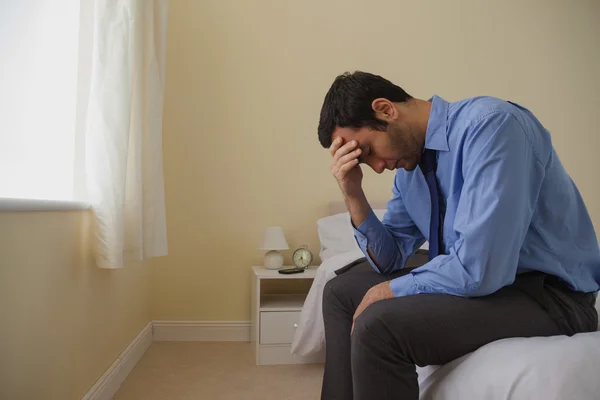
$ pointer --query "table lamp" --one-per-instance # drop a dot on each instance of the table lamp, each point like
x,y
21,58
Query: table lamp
x,y
273,240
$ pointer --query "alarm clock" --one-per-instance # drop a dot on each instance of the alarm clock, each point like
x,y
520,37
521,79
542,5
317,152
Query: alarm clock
x,y
302,257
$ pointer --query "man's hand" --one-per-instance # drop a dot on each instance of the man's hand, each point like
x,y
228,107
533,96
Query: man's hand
x,y
378,292
345,168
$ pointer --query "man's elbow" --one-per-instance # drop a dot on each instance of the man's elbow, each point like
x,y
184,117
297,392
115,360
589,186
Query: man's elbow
x,y
376,265
388,268
482,288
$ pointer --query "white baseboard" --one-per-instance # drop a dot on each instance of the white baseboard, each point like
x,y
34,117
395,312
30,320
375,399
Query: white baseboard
x,y
108,384
201,331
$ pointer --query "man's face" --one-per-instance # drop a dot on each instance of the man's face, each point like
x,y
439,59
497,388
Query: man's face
x,y
391,149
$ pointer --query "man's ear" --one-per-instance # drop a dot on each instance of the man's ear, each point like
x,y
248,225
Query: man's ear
x,y
384,109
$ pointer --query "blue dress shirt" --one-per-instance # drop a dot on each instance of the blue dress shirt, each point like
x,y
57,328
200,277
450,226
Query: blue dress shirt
x,y
510,207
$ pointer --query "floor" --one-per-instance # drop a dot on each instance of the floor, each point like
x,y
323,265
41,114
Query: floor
x,y
216,371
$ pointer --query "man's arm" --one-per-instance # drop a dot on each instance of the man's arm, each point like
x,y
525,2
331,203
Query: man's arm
x,y
387,248
502,180
389,243
359,209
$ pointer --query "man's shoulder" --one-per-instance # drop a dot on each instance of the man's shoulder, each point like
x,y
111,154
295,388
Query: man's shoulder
x,y
463,113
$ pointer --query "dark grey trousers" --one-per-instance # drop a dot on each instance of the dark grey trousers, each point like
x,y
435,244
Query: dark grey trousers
x,y
392,336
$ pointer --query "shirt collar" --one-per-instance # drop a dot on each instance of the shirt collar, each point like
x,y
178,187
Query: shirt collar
x,y
436,137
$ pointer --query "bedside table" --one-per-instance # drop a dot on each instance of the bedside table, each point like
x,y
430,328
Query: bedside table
x,y
275,318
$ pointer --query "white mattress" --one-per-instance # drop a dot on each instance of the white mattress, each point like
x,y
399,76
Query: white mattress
x,y
558,367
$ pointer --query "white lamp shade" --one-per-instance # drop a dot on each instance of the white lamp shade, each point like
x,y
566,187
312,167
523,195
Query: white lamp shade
x,y
273,239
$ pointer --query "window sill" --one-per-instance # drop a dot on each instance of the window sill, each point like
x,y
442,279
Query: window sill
x,y
19,205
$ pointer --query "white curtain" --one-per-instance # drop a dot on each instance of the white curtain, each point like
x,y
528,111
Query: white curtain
x,y
123,130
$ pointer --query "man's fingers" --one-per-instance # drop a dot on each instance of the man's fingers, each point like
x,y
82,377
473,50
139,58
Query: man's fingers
x,y
347,167
347,148
350,156
339,172
366,302
342,163
342,151
359,310
335,146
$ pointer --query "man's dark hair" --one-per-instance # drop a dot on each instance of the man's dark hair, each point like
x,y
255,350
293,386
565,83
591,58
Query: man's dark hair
x,y
348,103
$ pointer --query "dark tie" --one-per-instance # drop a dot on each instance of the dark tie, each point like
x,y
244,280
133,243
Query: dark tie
x,y
428,166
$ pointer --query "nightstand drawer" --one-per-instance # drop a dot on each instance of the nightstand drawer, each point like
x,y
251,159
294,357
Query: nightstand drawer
x,y
278,327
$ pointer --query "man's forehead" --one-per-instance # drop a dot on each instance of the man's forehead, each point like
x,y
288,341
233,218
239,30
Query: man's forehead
x,y
345,133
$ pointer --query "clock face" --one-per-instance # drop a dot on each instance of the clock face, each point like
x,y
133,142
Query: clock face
x,y
302,258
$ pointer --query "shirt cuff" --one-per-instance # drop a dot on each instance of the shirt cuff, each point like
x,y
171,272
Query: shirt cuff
x,y
404,285
367,227
366,233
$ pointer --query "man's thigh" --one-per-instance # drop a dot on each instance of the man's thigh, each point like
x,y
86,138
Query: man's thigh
x,y
433,329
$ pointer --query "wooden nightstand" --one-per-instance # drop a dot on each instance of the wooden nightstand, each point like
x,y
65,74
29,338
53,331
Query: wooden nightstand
x,y
275,318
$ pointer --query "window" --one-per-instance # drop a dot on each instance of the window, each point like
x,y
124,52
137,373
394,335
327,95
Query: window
x,y
38,87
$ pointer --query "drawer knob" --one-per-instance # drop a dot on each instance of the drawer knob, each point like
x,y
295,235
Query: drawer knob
x,y
295,325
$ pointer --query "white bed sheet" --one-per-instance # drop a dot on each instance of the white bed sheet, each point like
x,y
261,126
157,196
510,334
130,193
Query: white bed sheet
x,y
541,368
309,337
557,367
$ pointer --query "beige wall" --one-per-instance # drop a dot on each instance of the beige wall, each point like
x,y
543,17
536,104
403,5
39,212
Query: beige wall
x,y
245,83
63,321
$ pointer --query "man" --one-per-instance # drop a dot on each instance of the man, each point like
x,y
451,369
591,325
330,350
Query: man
x,y
512,249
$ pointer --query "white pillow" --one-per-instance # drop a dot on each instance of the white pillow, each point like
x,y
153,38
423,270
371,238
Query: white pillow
x,y
337,235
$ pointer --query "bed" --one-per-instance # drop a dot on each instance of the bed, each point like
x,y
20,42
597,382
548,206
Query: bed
x,y
558,367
